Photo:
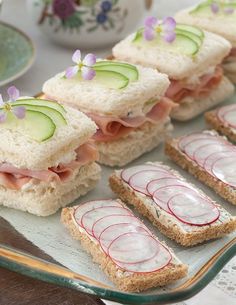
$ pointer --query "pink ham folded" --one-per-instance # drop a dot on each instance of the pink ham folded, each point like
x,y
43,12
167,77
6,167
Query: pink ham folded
x,y
178,90
113,128
14,178
232,53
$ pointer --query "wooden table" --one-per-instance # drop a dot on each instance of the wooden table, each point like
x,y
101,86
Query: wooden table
x,y
16,289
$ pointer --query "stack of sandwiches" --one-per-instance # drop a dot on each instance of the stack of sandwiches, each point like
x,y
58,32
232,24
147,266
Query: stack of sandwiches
x,y
47,159
217,17
132,118
192,62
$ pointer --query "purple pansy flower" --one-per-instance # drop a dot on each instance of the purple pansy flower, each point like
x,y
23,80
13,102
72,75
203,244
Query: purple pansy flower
x,y
214,8
228,10
165,28
19,111
217,7
85,66
63,8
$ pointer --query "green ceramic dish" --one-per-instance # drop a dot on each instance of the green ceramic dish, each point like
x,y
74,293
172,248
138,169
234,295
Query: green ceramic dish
x,y
16,53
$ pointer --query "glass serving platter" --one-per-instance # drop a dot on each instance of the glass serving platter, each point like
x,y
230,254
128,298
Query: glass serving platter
x,y
75,269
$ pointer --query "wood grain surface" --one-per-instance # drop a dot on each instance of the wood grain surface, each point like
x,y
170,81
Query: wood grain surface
x,y
16,289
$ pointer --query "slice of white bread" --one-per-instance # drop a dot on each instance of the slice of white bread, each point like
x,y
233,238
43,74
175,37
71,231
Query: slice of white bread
x,y
23,152
214,122
224,190
92,96
216,23
43,199
175,65
136,143
224,26
186,235
191,107
126,281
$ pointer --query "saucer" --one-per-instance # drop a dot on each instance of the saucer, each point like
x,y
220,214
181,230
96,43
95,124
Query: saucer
x,y
17,53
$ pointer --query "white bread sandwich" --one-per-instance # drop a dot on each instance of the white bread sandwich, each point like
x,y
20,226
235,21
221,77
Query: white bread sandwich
x,y
210,158
223,120
177,208
127,251
47,156
217,16
190,57
125,101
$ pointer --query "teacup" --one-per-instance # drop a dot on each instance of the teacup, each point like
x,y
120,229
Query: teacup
x,y
88,23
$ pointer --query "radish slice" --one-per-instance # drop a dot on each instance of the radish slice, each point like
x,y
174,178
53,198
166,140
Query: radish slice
x,y
115,230
203,152
90,217
191,147
156,184
215,156
156,262
140,180
230,118
90,205
107,220
224,169
194,136
223,110
133,248
163,194
194,210
127,173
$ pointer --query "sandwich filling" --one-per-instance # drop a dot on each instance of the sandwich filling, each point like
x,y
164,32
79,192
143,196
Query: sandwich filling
x,y
201,87
112,128
15,178
229,63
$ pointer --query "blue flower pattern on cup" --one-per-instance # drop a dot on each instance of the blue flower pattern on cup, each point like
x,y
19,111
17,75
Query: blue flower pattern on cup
x,y
73,14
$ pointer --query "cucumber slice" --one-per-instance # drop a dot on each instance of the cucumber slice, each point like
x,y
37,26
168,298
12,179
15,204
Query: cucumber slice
x,y
129,71
192,36
108,62
138,35
205,9
182,44
192,29
55,115
41,102
111,79
36,124
202,7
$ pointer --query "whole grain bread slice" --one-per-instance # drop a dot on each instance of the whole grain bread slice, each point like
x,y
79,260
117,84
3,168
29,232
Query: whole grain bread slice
x,y
214,122
126,281
168,224
224,190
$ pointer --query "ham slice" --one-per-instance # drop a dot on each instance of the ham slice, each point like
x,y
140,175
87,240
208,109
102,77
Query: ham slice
x,y
232,53
231,58
14,178
113,128
178,90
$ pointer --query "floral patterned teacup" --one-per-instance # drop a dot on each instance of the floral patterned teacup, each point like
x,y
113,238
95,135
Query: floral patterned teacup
x,y
88,23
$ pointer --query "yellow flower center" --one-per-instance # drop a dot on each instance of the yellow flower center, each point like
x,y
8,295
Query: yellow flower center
x,y
158,29
7,107
80,65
